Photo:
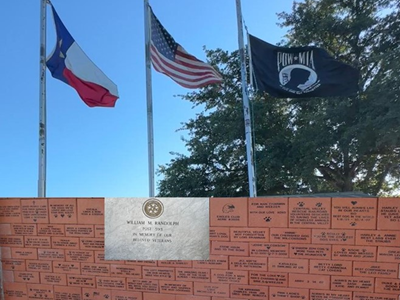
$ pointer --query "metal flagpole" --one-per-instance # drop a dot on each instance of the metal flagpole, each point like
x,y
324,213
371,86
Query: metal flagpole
x,y
246,106
42,103
150,134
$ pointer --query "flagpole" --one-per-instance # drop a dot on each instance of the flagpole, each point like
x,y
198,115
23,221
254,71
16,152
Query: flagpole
x,y
149,96
246,106
42,103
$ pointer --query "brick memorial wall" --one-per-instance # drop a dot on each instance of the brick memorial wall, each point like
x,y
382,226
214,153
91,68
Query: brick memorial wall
x,y
261,248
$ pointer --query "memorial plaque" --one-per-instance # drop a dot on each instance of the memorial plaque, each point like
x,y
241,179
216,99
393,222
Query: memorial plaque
x,y
331,267
387,285
374,296
219,233
63,211
193,275
375,269
51,230
378,238
388,254
249,234
277,293
330,295
353,253
268,212
333,236
249,291
309,212
211,289
318,282
247,263
291,265
67,293
228,212
157,228
79,256
291,235
352,283
111,283
23,229
10,211
269,278
354,213
269,249
34,211
142,285
176,287
388,213
310,251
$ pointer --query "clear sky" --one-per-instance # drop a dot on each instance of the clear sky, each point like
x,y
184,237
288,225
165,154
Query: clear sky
x,y
102,152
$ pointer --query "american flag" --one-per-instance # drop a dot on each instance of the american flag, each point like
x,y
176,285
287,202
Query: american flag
x,y
169,58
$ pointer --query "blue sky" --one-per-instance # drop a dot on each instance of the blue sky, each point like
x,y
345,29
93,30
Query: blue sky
x,y
102,152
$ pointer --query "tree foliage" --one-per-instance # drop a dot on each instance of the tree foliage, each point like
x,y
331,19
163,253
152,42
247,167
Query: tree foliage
x,y
313,145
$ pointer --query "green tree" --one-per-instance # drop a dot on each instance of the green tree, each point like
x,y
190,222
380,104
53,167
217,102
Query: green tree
x,y
308,145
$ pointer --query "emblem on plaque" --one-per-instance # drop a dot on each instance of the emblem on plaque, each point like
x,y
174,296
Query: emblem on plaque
x,y
153,208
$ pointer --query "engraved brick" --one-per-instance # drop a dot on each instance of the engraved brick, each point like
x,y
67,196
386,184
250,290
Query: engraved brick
x,y
95,269
354,213
249,291
11,241
219,233
228,212
309,212
317,282
249,234
229,276
52,278
62,210
40,291
330,267
387,285
80,280
356,253
67,293
126,271
388,213
247,263
269,249
268,278
149,263
39,265
388,254
333,236
23,229
175,263
268,212
10,211
184,274
37,241
51,254
34,211
176,287
22,253
64,242
65,267
310,251
15,291
151,296
378,238
374,296
329,295
291,265
92,243
352,283
99,231
113,283
79,256
158,273
229,248
292,235
277,293
211,289
13,264
51,230
125,295
79,230
375,269
142,285
96,294
214,261
90,210
5,229
188,297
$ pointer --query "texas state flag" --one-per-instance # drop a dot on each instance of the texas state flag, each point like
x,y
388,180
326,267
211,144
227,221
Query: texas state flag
x,y
70,64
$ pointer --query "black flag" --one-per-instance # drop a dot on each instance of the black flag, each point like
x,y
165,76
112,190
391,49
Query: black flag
x,y
300,72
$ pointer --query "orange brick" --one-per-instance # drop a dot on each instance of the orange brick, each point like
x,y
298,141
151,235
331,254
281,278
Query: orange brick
x,y
11,241
214,262
292,265
268,278
185,274
249,291
81,280
62,210
352,283
277,293
22,253
211,289
79,230
51,230
92,243
51,254
378,238
268,212
388,213
247,263
388,254
230,276
79,256
40,291
37,241
290,235
316,282
13,264
175,263
22,229
149,263
52,278
176,287
66,292
219,233
374,296
229,248
142,285
158,273
151,296
309,212
34,211
66,267
15,291
310,251
331,267
95,294
333,236
228,212
99,231
126,271
329,295
354,213
188,297
112,283
125,295
39,265
90,210
355,253
10,211
8,276
375,269
387,285
65,242
269,249
249,234
95,269
5,229
5,252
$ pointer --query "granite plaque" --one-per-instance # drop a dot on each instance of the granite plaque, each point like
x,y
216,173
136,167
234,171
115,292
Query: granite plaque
x,y
156,228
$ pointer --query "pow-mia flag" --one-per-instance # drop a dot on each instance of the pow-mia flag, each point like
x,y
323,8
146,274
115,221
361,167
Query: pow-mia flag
x,y
300,72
